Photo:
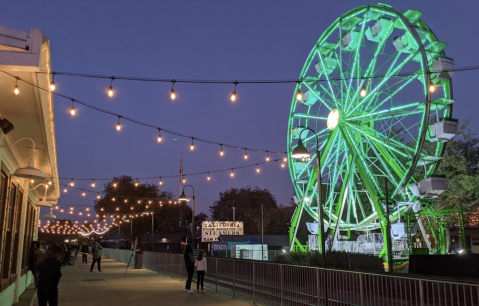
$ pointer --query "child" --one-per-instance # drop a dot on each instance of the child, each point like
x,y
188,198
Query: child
x,y
200,265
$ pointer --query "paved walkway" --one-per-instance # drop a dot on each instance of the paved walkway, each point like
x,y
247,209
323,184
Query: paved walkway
x,y
79,286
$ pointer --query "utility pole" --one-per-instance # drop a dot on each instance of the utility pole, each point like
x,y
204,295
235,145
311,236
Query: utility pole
x,y
388,232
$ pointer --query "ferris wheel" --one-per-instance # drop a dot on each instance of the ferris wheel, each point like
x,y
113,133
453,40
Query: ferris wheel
x,y
375,93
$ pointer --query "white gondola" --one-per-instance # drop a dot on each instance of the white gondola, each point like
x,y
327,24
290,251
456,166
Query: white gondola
x,y
443,130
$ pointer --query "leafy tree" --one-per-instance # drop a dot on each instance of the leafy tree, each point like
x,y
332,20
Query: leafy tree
x,y
248,209
132,201
460,165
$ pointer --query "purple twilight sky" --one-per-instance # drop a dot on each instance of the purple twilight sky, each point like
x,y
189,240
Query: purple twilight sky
x,y
199,40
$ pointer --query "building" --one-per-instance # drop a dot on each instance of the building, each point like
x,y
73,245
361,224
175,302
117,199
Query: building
x,y
26,56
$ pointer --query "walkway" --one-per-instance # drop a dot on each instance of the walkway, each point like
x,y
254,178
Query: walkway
x,y
79,286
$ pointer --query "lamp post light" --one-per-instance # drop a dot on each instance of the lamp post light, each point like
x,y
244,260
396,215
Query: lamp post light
x,y
184,198
301,152
152,222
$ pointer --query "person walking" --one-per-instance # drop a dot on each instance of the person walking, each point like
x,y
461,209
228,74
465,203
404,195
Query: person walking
x,y
190,266
96,252
49,273
201,266
84,250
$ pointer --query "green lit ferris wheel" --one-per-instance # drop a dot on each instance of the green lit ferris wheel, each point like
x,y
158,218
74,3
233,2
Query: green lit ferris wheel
x,y
376,94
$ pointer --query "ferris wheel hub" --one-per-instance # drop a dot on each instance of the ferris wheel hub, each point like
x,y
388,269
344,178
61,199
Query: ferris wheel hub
x,y
333,119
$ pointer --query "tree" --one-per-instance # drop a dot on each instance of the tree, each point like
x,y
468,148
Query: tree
x,y
248,209
460,165
123,199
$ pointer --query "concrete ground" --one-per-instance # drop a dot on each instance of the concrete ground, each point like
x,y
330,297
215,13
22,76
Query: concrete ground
x,y
79,286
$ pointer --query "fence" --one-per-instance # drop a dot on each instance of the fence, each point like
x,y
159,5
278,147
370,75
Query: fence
x,y
276,284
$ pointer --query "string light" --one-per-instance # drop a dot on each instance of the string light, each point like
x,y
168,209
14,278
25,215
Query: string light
x,y
432,88
160,182
282,165
118,125
267,156
363,92
192,146
98,197
299,94
49,182
65,190
83,194
184,181
16,90
115,185
72,184
113,199
285,159
159,136
258,170
222,153
245,154
73,110
126,200
172,92
233,95
93,184
232,173
52,84
136,183
110,89
32,181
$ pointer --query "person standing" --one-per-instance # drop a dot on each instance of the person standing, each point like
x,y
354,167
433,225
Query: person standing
x,y
76,248
190,266
201,266
96,252
49,273
32,261
84,250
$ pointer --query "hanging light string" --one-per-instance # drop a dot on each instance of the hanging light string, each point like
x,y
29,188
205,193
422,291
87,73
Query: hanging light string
x,y
234,82
174,175
139,122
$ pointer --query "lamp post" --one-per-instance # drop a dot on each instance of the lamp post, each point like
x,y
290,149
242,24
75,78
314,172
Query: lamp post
x,y
184,198
152,222
301,152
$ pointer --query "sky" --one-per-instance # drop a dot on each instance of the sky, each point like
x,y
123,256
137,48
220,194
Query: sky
x,y
220,40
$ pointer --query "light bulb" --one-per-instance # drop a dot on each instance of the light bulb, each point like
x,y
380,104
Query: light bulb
x,y
232,173
160,182
52,86
282,165
285,159
73,111
110,91
118,126
98,197
233,96
267,158
118,208
432,88
245,155
83,194
192,145
114,185
172,94
208,177
16,90
184,181
258,170
363,92
136,184
113,199
49,182
159,138
65,190
72,184
93,185
32,181
299,95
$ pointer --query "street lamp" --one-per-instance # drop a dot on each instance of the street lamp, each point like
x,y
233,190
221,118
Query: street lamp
x,y
184,198
152,222
300,152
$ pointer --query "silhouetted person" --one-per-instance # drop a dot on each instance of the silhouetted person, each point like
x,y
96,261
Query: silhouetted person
x,y
96,252
190,266
49,273
33,261
84,251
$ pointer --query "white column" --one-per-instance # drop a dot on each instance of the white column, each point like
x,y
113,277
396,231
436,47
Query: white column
x,y
20,242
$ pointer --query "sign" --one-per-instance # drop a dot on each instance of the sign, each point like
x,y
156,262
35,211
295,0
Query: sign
x,y
211,230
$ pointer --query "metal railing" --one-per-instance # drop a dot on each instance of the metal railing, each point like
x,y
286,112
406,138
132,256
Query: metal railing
x,y
277,284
